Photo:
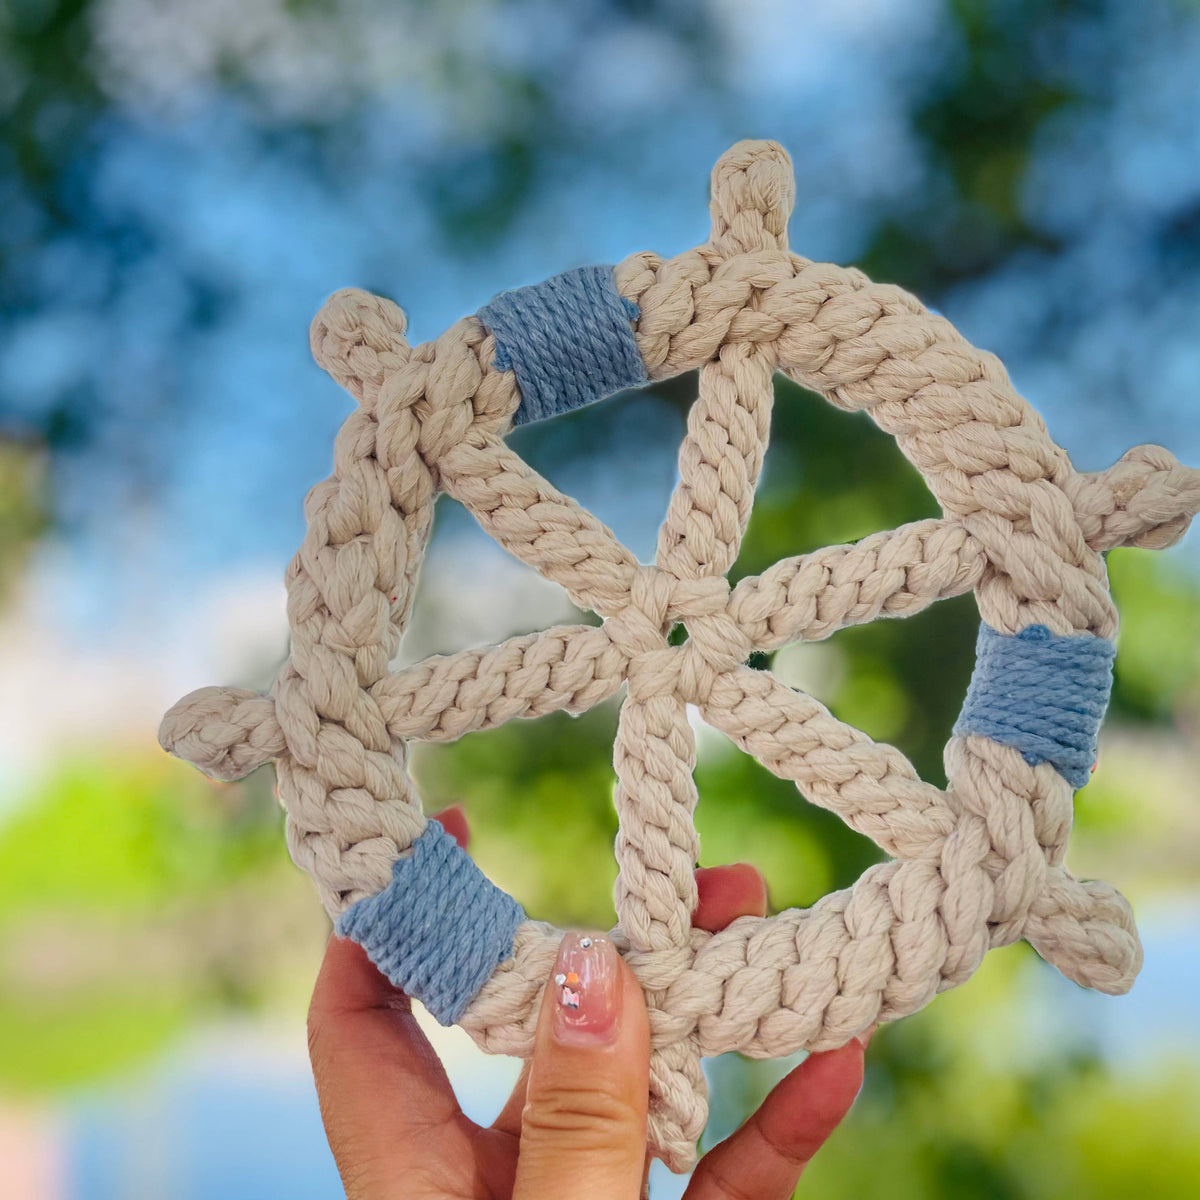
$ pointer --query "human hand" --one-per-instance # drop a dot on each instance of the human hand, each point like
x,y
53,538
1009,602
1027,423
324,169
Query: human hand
x,y
575,1123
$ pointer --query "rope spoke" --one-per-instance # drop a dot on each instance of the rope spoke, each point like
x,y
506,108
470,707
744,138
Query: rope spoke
x,y
870,785
536,523
719,463
892,574
569,668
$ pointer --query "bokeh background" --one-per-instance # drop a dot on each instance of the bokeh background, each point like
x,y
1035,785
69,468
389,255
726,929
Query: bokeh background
x,y
181,186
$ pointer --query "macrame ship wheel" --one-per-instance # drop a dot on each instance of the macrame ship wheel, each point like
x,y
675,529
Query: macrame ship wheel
x,y
975,866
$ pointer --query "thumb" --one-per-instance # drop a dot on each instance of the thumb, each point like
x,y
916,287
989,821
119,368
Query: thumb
x,y
583,1129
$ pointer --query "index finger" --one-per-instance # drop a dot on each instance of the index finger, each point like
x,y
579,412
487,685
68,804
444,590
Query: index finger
x,y
766,1156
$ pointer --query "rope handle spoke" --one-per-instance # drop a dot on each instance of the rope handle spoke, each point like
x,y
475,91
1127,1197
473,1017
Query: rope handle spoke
x,y
539,525
568,668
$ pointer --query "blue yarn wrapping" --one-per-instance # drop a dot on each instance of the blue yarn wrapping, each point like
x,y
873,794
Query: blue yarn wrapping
x,y
568,339
439,929
1043,693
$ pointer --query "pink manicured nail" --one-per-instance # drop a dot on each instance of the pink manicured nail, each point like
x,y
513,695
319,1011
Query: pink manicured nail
x,y
586,987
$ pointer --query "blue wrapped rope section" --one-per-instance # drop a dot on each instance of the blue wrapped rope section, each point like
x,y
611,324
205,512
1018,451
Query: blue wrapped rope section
x,y
568,339
439,929
1043,693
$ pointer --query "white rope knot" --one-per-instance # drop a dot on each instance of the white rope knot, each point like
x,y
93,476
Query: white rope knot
x,y
651,592
973,866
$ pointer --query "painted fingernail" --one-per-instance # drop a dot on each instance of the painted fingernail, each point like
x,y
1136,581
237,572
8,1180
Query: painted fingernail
x,y
587,989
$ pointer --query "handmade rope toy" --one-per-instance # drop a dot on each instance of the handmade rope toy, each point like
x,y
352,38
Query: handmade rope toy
x,y
976,866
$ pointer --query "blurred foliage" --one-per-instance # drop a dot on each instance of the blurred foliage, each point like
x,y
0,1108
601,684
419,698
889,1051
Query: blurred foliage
x,y
134,833
978,122
55,1042
23,508
948,1111
1158,664
490,132
119,871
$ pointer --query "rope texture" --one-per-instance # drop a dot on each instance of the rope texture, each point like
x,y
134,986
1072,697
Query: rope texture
x,y
975,866
439,929
569,339
1041,693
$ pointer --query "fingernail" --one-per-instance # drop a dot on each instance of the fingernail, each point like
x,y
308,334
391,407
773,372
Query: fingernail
x,y
587,989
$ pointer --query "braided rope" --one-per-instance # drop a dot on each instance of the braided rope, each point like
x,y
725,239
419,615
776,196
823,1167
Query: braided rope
x,y
975,866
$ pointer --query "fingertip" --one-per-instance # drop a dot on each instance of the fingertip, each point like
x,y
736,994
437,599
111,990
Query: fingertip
x,y
727,892
825,1085
771,1149
454,821
592,997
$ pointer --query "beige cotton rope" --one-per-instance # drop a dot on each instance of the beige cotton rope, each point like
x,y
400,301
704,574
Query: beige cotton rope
x,y
975,866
